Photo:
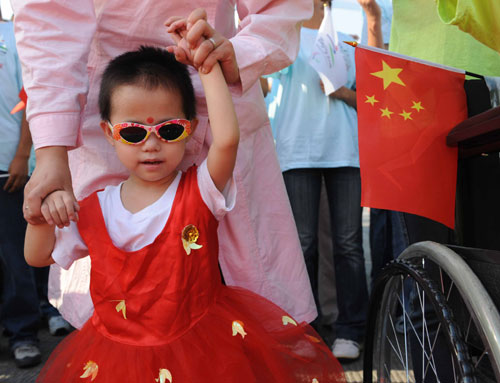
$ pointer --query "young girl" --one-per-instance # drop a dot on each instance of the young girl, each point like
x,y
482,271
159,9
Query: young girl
x,y
162,313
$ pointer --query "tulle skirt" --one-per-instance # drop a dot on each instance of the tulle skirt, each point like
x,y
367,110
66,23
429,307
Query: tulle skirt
x,y
242,338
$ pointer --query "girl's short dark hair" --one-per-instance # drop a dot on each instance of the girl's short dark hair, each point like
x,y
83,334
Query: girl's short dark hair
x,y
149,67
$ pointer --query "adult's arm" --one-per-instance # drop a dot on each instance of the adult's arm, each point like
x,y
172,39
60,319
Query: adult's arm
x,y
268,39
53,40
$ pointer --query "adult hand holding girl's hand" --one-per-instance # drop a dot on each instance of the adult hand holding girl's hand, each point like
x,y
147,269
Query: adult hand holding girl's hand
x,y
51,173
200,45
59,208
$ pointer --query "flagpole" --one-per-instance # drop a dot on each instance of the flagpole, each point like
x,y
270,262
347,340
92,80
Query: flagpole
x,y
408,58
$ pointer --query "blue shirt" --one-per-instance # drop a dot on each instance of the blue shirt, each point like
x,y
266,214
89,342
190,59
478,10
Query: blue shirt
x,y
311,129
11,84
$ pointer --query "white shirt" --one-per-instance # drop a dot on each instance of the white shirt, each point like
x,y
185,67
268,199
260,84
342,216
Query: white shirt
x,y
133,231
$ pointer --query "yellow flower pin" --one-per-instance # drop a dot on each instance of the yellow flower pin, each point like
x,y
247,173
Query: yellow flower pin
x,y
121,307
90,369
163,376
190,235
286,320
238,328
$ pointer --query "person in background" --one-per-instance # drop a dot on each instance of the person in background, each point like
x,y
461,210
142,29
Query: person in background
x,y
20,314
316,138
62,69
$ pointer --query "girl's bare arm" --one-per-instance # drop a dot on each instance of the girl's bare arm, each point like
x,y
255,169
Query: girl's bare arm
x,y
224,126
38,244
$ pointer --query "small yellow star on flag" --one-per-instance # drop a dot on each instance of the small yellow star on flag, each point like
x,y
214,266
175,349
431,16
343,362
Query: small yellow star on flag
x,y
371,100
389,75
417,105
386,113
406,115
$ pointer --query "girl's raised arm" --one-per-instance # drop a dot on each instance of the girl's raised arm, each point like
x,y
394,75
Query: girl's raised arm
x,y
224,126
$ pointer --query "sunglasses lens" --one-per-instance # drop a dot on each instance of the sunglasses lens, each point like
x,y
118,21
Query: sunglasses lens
x,y
133,134
171,132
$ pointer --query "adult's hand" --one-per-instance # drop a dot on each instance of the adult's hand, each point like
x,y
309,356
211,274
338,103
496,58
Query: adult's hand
x,y
209,45
18,174
51,173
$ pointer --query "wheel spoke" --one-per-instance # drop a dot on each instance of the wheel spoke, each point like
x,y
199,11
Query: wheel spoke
x,y
425,331
404,326
454,373
468,329
481,357
400,354
449,291
420,341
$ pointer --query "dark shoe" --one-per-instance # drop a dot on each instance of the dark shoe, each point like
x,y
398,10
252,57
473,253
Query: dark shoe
x,y
27,355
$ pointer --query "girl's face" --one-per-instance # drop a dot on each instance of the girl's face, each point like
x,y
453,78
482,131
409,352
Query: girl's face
x,y
153,160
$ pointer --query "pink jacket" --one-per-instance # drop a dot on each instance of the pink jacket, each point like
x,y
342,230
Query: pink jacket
x,y
64,50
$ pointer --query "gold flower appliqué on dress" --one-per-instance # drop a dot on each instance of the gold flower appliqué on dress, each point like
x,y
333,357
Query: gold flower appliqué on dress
x,y
286,320
190,235
238,328
90,369
121,307
163,376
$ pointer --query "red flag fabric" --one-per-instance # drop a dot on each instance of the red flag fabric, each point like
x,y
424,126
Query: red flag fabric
x,y
405,110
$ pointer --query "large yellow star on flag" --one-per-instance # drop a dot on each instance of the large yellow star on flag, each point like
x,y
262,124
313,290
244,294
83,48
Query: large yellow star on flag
x,y
389,75
406,115
386,113
417,105
370,100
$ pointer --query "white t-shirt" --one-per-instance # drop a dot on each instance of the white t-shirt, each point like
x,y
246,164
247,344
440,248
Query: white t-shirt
x,y
133,231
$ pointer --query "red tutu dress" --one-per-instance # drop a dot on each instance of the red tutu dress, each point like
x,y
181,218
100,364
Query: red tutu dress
x,y
162,314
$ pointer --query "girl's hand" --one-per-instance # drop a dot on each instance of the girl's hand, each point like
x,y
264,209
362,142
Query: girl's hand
x,y
58,208
200,45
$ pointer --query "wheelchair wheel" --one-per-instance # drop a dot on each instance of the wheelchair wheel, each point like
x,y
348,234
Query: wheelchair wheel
x,y
411,333
474,311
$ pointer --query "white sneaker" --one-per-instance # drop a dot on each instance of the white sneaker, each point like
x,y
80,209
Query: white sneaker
x,y
59,326
345,349
27,355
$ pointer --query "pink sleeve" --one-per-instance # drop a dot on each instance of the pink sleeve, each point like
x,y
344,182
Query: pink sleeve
x,y
53,40
268,39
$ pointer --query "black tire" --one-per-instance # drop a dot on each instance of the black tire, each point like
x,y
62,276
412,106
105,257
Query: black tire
x,y
429,338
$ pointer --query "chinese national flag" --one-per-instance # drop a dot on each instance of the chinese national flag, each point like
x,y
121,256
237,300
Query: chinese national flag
x,y
405,110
